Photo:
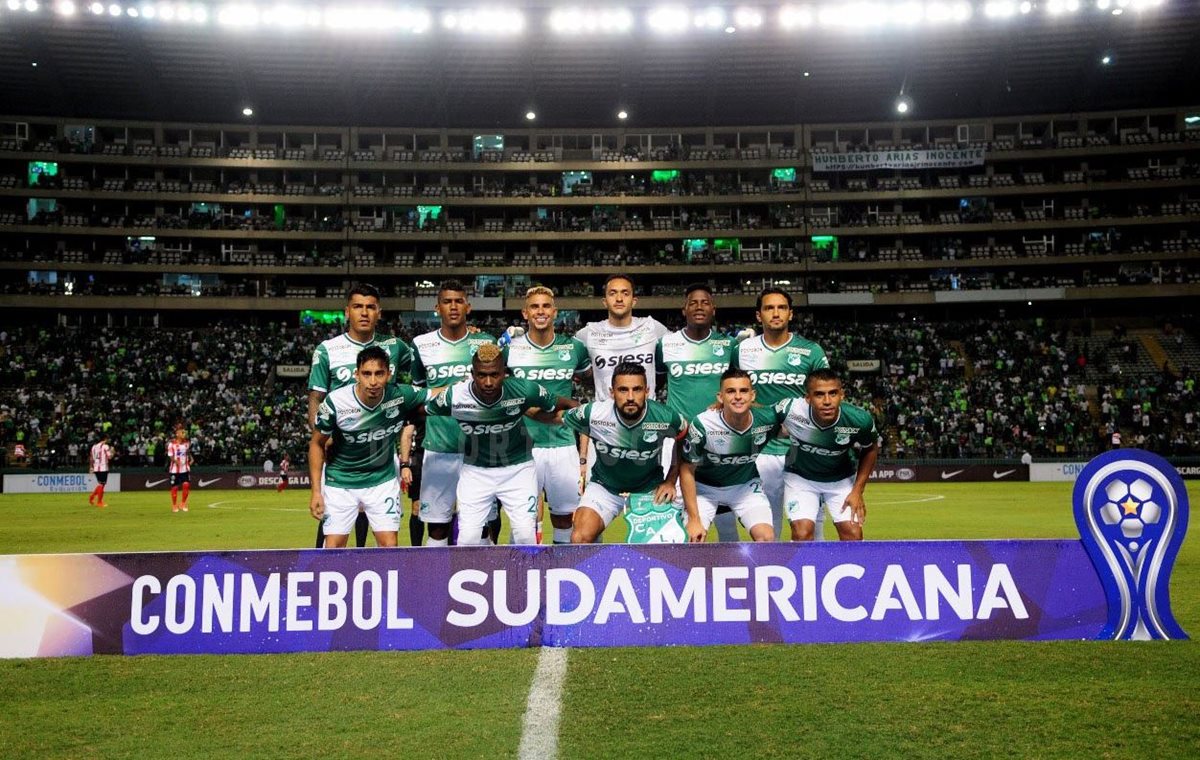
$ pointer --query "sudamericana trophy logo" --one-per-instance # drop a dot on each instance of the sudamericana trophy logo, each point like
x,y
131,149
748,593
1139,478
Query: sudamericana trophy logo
x,y
651,523
1132,511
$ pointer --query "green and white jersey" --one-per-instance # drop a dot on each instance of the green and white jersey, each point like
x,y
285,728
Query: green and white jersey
x,y
439,362
820,453
553,366
609,346
628,456
494,434
724,456
693,369
335,360
779,373
364,438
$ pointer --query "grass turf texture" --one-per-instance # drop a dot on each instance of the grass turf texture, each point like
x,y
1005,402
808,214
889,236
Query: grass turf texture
x,y
971,699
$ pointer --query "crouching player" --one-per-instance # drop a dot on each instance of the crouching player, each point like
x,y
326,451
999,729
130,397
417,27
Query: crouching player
x,y
629,432
719,454
820,467
363,420
498,460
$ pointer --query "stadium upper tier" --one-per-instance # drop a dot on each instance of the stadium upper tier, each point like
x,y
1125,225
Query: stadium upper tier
x,y
959,389
99,214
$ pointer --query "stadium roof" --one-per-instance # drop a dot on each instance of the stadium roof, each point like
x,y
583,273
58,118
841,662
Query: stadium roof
x,y
102,66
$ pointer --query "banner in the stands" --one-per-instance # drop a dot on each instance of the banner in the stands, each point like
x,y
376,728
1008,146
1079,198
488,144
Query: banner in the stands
x,y
937,158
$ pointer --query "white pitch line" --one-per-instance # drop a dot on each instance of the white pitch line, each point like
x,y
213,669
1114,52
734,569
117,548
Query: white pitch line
x,y
221,505
924,498
539,738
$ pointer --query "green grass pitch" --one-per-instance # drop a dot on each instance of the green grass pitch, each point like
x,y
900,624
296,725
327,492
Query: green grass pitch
x,y
971,699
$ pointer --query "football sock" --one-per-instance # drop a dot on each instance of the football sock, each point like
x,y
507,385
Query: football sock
x,y
187,487
492,531
819,524
174,495
416,530
320,534
562,535
361,526
726,523
438,542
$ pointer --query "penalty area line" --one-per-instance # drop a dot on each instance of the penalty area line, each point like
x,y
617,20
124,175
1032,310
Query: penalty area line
x,y
221,505
539,737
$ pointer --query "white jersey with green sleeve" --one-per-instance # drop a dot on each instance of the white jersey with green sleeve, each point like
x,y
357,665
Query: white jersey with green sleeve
x,y
494,433
628,455
724,456
609,346
364,438
553,366
825,454
439,362
693,369
779,373
335,360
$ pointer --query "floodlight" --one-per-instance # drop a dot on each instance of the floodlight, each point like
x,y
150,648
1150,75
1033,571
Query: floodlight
x,y
1026,6
580,21
1103,4
238,16
200,14
166,12
709,18
1107,59
1000,9
114,10
247,111
149,11
65,8
95,8
14,5
31,5
132,12
791,17
904,104
622,115
530,115
748,18
669,19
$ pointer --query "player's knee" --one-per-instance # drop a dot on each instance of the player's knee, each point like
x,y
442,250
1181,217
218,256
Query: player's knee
x,y
762,532
849,531
802,530
439,531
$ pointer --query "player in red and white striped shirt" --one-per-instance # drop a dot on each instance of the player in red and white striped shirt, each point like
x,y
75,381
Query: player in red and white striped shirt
x,y
98,460
284,466
179,456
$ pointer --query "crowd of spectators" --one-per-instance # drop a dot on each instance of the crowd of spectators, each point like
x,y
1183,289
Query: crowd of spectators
x,y
956,390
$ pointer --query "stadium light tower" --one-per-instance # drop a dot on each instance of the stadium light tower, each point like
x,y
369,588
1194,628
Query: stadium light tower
x,y
247,111
904,104
530,115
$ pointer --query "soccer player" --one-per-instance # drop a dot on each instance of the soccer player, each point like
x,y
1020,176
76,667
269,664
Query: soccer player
x,y
497,461
621,338
443,358
630,431
285,465
542,356
824,429
179,458
779,362
334,363
363,421
98,460
718,460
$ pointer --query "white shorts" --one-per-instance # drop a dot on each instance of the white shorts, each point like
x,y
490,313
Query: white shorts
x,y
439,480
558,475
804,497
381,503
602,501
747,501
479,488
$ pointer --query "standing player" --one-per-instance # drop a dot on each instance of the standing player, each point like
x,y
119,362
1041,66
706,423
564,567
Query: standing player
x,y
179,458
363,421
630,431
621,338
779,362
334,363
542,356
718,460
497,461
821,470
443,357
98,460
285,465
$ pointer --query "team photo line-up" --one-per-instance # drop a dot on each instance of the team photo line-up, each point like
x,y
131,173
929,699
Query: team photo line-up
x,y
754,426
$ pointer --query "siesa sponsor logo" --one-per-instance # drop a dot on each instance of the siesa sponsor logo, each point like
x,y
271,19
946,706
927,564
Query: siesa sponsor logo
x,y
819,451
778,378
699,368
493,429
543,374
247,481
449,372
374,435
730,460
613,361
344,374
905,473
613,452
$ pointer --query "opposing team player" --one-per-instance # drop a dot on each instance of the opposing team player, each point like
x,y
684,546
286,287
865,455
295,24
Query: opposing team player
x,y
443,358
363,421
779,362
497,460
335,360
285,466
179,465
629,431
99,458
543,356
718,460
821,469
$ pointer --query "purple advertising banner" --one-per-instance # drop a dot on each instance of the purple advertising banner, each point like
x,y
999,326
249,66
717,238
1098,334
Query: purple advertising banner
x,y
1113,582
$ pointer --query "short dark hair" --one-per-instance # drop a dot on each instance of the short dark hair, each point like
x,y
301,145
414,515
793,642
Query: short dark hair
x,y
618,276
697,286
825,373
772,291
734,373
373,354
453,286
362,289
630,368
